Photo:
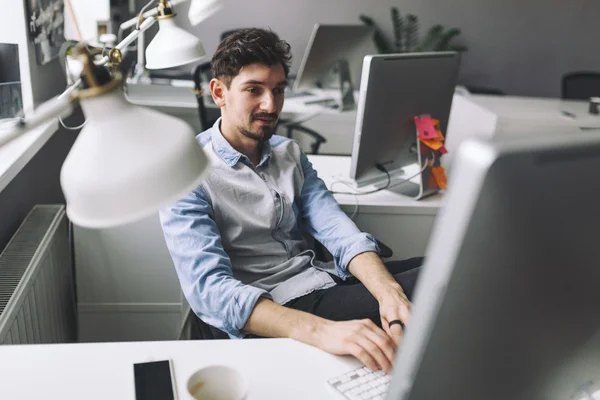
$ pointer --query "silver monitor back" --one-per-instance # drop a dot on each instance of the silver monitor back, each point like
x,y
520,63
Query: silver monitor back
x,y
508,303
327,45
396,88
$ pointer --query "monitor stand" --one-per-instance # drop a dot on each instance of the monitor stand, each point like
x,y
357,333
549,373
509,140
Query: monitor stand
x,y
338,78
346,89
420,186
426,156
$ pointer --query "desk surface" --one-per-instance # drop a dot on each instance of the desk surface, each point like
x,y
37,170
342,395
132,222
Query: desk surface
x,y
337,168
273,368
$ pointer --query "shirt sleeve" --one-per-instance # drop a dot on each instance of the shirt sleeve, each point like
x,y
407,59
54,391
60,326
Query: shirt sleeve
x,y
327,223
203,267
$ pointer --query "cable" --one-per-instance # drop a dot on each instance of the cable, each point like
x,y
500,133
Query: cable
x,y
355,211
137,24
381,168
313,256
71,128
65,64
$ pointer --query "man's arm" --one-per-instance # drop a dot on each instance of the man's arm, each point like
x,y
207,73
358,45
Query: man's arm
x,y
323,218
354,252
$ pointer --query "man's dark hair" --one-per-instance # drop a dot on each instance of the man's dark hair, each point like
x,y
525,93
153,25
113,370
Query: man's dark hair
x,y
249,46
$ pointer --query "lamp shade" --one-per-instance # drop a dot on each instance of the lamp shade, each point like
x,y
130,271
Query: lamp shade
x,y
203,9
173,46
127,162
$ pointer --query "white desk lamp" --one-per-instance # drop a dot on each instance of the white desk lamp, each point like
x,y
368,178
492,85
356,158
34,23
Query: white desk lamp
x,y
127,161
172,45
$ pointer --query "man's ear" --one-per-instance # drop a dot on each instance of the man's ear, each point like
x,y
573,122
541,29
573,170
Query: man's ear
x,y
217,90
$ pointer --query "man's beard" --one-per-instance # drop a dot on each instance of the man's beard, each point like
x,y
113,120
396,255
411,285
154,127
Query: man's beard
x,y
266,132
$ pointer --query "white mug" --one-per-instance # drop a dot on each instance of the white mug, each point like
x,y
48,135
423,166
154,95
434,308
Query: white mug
x,y
217,383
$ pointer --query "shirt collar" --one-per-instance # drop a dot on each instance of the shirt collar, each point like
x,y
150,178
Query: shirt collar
x,y
230,155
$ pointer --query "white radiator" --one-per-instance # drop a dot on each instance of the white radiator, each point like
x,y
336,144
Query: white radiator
x,y
37,301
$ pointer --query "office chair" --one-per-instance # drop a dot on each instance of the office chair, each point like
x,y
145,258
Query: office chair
x,y
485,90
580,85
200,73
291,127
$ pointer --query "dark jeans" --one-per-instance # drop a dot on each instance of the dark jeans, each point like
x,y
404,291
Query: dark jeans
x,y
350,299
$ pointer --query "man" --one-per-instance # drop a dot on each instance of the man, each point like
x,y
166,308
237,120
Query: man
x,y
236,240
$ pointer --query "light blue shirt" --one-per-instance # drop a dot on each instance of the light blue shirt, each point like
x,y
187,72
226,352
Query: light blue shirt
x,y
239,235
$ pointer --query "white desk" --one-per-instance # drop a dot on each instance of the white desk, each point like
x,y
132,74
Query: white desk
x,y
400,222
274,368
509,116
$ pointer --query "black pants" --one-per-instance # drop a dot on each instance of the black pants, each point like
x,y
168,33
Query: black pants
x,y
350,299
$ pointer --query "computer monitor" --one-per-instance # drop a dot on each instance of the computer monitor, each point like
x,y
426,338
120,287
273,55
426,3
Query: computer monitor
x,y
396,88
329,44
507,305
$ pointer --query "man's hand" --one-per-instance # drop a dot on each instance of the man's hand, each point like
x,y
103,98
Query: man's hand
x,y
394,306
360,338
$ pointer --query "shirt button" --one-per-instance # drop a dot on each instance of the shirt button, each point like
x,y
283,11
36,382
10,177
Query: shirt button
x,y
263,177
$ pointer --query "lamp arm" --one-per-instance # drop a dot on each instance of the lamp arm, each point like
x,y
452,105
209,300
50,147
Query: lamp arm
x,y
59,106
129,39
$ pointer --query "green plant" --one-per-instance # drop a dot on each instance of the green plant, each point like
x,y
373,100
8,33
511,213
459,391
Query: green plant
x,y
406,35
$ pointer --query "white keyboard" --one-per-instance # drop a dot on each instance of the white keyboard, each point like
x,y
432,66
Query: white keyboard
x,y
362,384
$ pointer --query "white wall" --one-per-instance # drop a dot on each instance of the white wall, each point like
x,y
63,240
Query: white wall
x,y
521,47
126,284
87,13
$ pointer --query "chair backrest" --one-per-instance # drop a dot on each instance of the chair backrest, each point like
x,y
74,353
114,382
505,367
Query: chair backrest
x,y
291,127
580,85
199,74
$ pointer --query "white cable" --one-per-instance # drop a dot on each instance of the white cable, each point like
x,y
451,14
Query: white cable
x,y
71,128
137,24
70,77
355,211
311,258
